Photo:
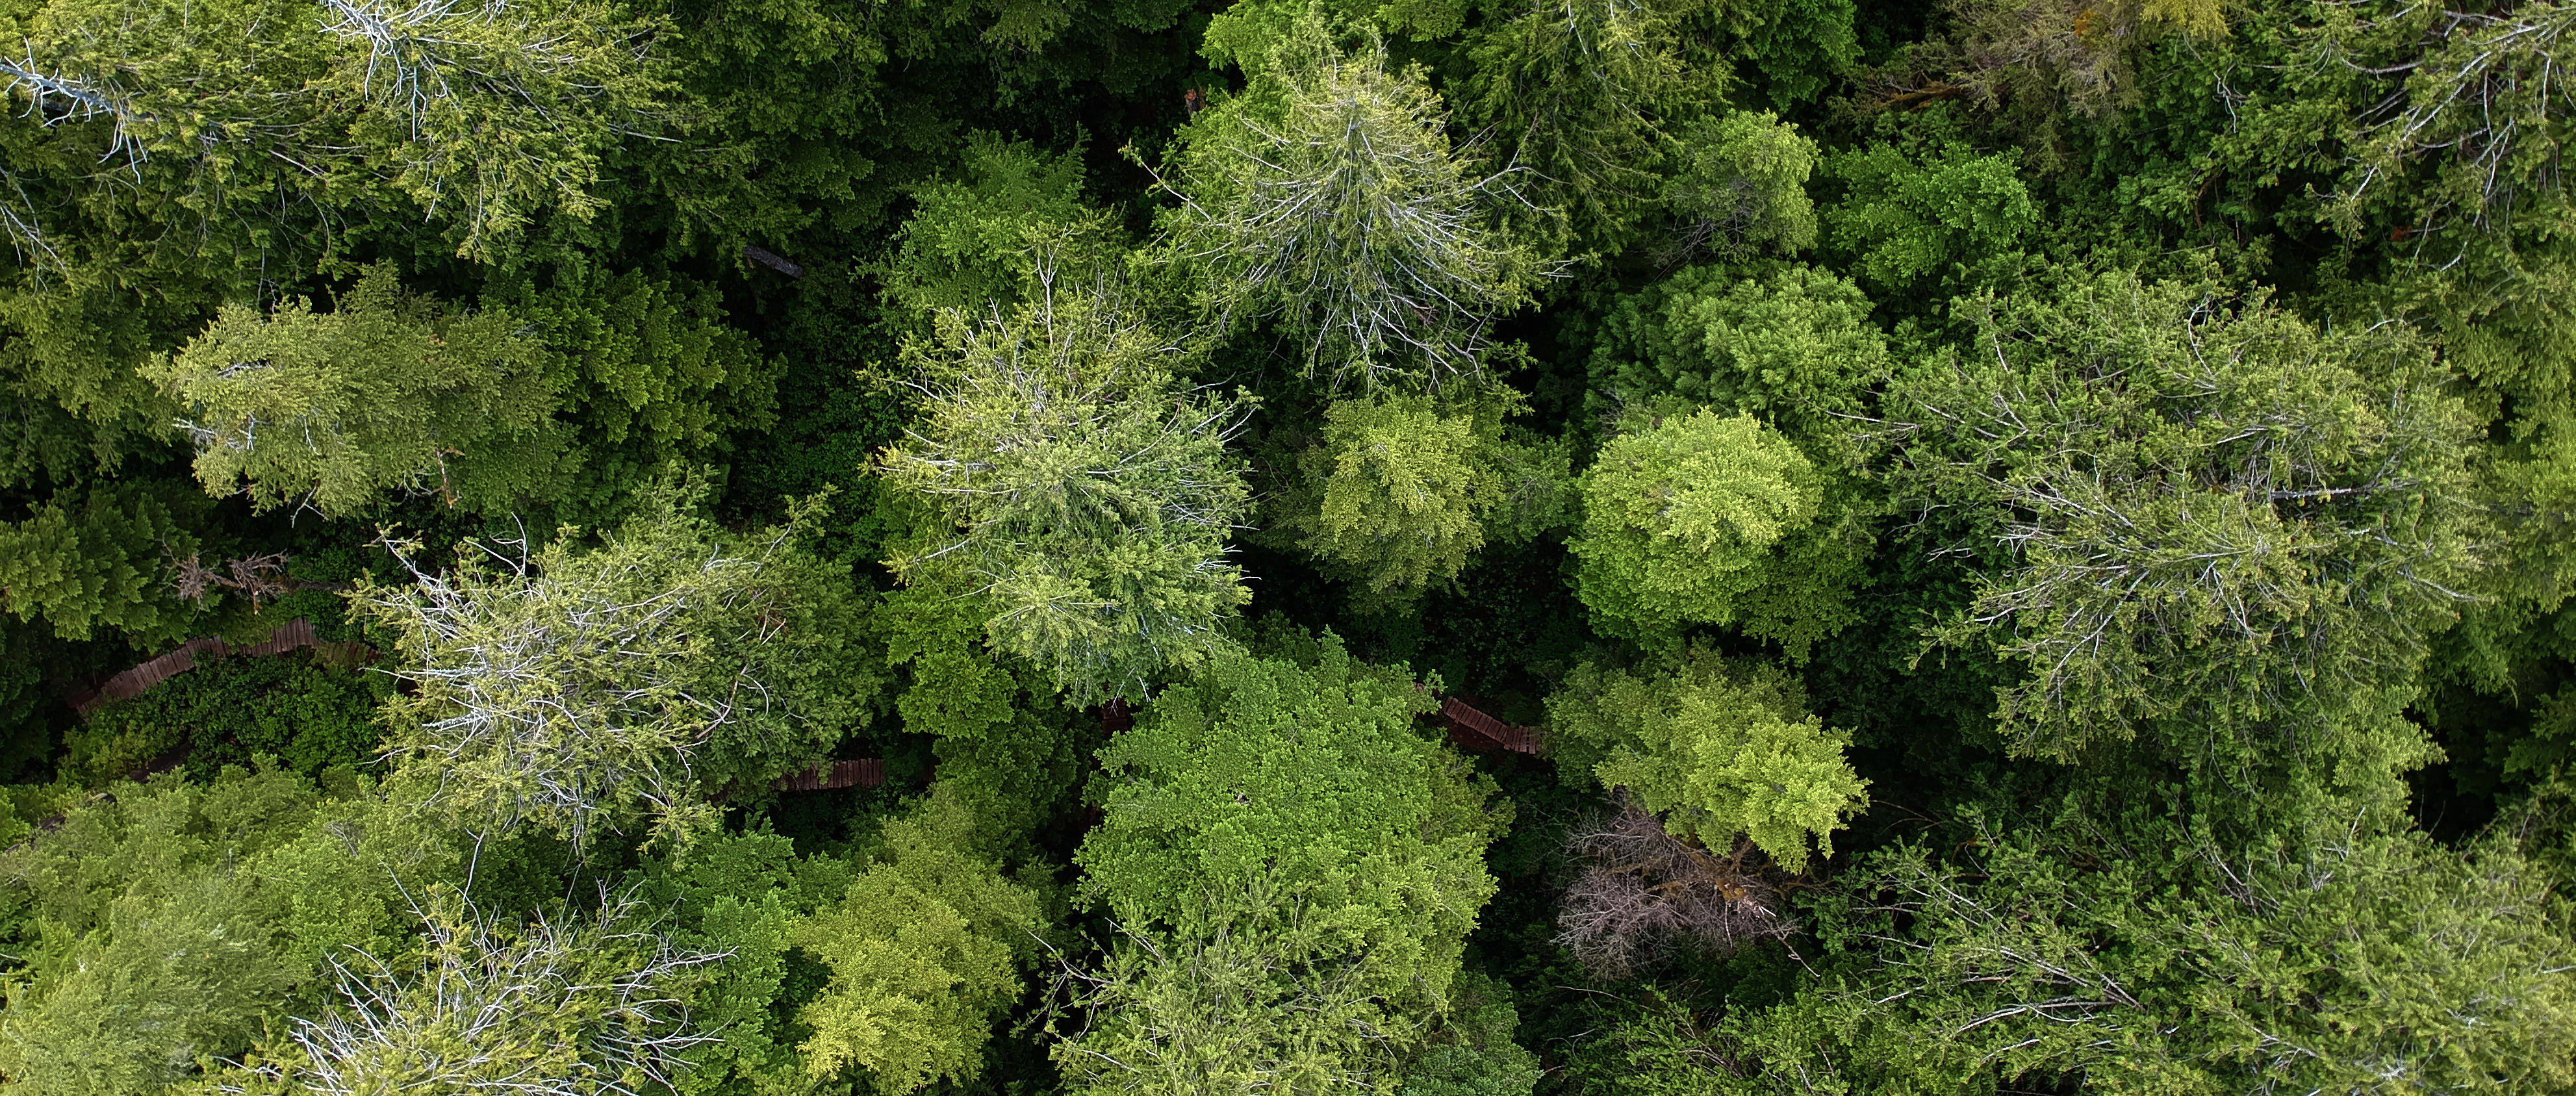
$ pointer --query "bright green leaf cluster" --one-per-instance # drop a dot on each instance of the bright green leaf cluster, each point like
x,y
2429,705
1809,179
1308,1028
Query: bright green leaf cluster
x,y
1717,749
926,945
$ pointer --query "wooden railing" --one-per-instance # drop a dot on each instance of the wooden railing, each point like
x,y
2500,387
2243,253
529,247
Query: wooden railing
x,y
865,772
293,634
1474,730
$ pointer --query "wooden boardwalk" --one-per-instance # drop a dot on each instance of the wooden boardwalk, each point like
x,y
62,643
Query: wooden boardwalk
x,y
290,636
1474,730
865,772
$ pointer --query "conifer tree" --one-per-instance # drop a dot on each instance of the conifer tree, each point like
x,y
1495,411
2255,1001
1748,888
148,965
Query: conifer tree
x,y
1083,493
580,689
2220,522
1401,492
100,558
1742,188
576,1003
389,391
1330,200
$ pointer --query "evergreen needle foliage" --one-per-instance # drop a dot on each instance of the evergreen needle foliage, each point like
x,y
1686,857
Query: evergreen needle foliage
x,y
1331,200
1223,547
576,689
1086,490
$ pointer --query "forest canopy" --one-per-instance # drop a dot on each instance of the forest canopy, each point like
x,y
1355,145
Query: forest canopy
x,y
1287,547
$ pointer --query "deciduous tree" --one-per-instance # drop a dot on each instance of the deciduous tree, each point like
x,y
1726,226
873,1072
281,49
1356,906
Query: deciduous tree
x,y
925,947
1295,870
1717,749
1695,517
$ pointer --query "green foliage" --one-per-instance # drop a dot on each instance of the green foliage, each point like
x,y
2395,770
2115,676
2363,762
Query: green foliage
x,y
1717,749
1789,344
1307,773
576,1003
1297,868
1742,187
99,557
498,114
1703,518
481,119
1262,992
1400,491
1088,491
170,922
305,716
956,688
2340,956
2222,522
971,245
577,688
1918,219
331,409
1330,199
647,370
924,948
1585,96
1474,1054
1399,503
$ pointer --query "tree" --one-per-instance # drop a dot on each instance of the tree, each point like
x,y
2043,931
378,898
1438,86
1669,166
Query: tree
x,y
647,372
1918,219
1329,199
1742,189
1473,1052
494,114
1400,492
575,689
100,557
161,925
2216,521
331,409
2336,953
1697,517
482,117
1582,95
1295,869
1717,749
1085,495
581,1003
1643,891
975,242
925,948
1260,993
1791,345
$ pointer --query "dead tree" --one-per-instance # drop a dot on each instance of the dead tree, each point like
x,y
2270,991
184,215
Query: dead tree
x,y
1643,893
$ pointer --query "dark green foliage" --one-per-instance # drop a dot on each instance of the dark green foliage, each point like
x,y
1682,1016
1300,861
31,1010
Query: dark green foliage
x,y
98,558
305,714
1925,218
2029,544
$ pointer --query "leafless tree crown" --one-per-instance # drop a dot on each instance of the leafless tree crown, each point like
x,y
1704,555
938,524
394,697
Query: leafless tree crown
x,y
1643,893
